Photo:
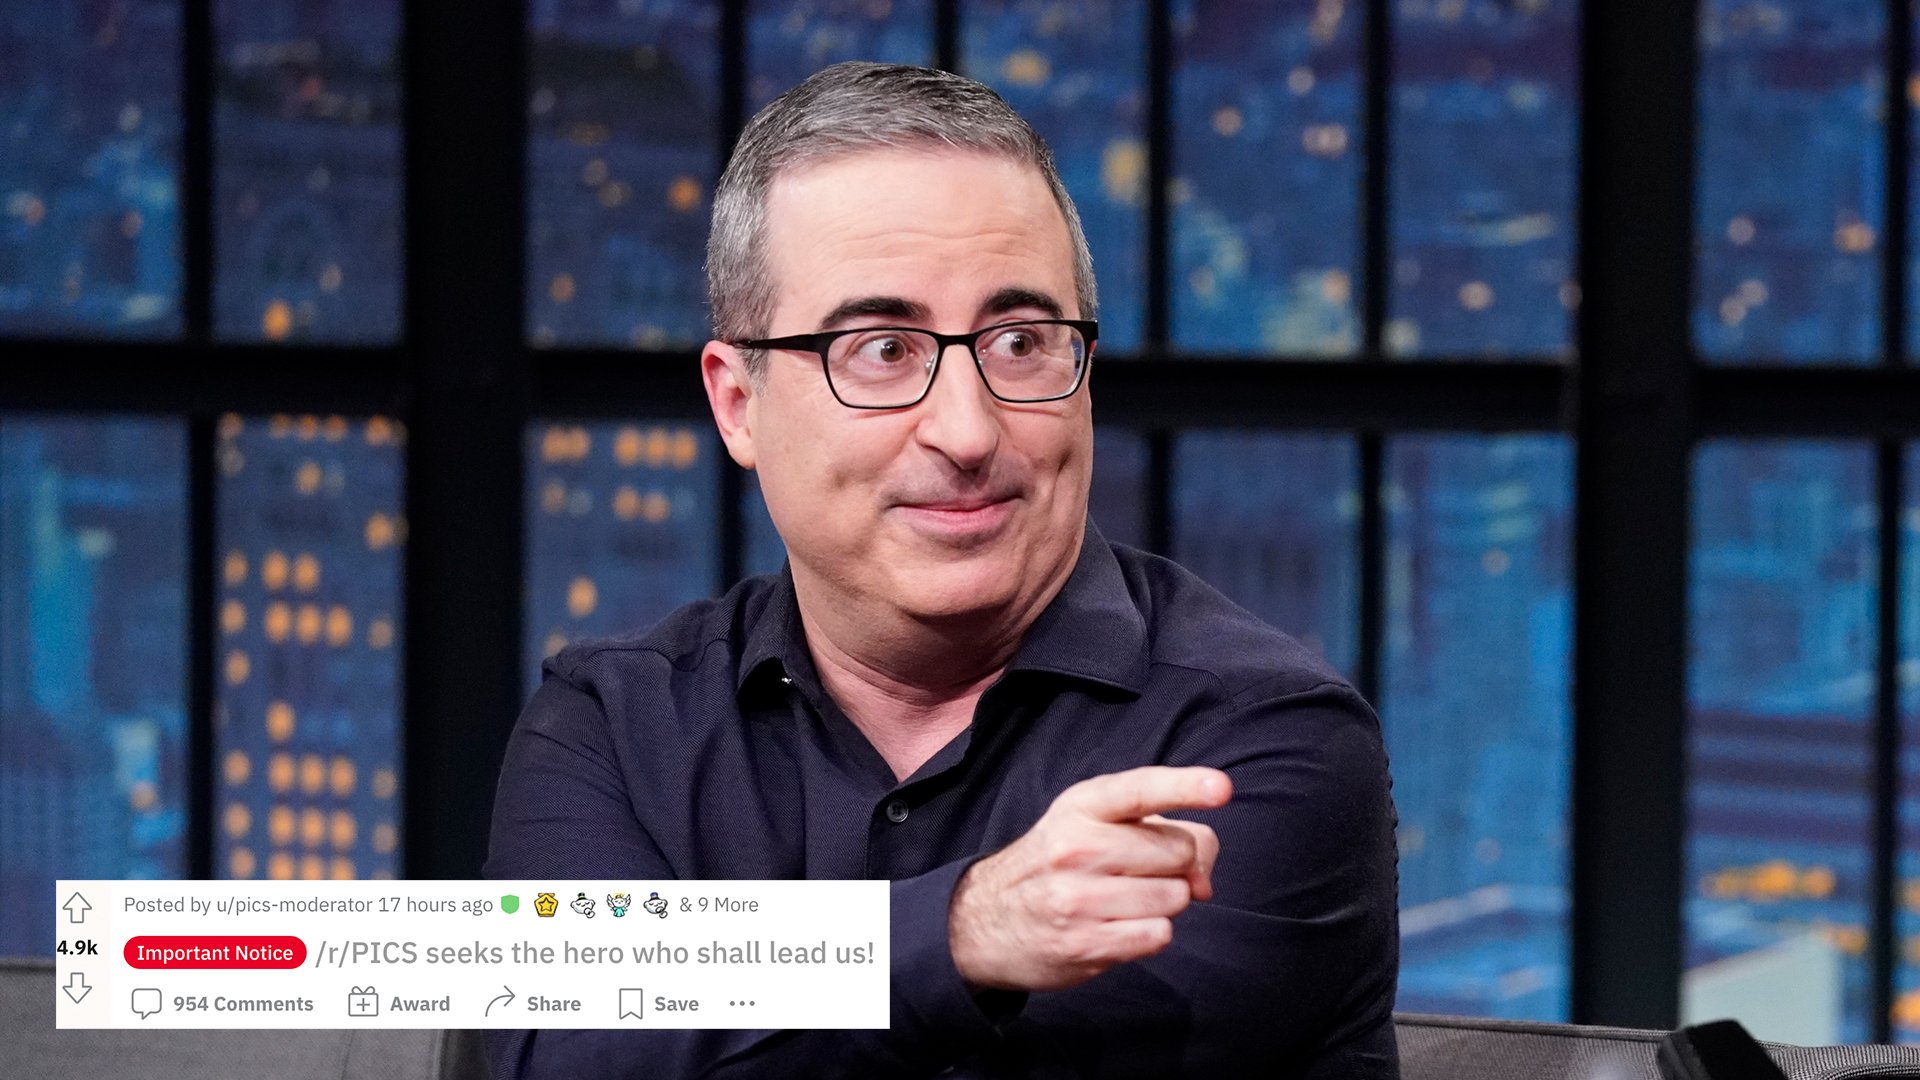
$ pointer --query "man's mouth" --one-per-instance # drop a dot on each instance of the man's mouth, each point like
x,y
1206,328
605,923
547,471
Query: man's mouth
x,y
970,518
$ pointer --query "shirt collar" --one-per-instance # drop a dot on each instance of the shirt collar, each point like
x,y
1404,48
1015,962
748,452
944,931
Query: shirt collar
x,y
1092,630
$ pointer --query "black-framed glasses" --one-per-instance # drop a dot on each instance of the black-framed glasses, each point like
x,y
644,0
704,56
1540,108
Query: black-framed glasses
x,y
893,367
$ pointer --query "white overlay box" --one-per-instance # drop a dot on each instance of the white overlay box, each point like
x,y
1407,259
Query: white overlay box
x,y
450,954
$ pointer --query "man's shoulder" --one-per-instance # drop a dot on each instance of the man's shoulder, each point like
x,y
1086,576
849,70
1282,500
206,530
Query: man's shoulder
x,y
689,640
1194,626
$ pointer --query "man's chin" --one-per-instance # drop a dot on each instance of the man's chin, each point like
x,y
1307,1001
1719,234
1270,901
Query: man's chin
x,y
959,590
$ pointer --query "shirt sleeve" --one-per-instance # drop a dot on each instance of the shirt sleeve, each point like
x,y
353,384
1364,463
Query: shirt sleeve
x,y
1290,970
562,811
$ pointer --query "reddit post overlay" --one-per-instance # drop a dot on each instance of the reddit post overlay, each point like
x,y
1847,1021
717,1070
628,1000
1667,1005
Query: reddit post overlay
x,y
471,954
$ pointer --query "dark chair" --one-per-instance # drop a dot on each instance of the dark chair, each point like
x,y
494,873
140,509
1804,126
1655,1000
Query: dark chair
x,y
1461,1048
33,1047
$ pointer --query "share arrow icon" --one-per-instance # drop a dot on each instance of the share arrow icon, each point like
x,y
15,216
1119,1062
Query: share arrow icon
x,y
503,1000
77,987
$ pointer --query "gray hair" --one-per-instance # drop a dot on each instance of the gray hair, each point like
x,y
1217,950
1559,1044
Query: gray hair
x,y
845,109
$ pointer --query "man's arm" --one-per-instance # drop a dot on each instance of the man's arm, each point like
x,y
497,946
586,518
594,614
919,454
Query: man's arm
x,y
562,811
1278,954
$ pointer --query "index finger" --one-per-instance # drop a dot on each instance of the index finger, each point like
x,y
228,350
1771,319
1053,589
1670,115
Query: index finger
x,y
1149,789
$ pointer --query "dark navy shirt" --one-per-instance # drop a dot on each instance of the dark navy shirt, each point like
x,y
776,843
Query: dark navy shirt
x,y
706,748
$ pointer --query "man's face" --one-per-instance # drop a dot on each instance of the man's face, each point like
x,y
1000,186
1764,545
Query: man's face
x,y
962,503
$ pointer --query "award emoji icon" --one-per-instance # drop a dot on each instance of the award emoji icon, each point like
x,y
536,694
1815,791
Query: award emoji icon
x,y
545,905
583,904
619,902
509,903
655,905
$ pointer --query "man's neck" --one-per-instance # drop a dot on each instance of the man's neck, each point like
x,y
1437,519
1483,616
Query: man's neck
x,y
906,722
909,685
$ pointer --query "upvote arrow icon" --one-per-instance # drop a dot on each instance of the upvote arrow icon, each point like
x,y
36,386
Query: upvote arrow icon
x,y
77,987
76,908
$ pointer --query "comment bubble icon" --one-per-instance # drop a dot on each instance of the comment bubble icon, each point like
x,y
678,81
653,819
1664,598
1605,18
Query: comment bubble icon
x,y
633,1003
146,1002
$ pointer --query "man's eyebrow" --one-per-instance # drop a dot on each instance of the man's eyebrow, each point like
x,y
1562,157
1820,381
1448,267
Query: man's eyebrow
x,y
1014,298
893,307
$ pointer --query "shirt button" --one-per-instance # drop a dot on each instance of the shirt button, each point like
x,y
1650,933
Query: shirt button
x,y
897,811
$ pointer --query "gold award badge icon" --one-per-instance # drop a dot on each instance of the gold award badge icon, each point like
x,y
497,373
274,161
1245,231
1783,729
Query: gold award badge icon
x,y
545,905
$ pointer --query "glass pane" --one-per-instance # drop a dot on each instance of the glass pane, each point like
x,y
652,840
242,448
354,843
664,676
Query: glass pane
x,y
1117,502
1780,696
89,168
622,527
307,705
1906,1010
1478,718
1272,520
1267,147
788,40
1077,72
1789,200
93,646
624,125
1485,117
307,183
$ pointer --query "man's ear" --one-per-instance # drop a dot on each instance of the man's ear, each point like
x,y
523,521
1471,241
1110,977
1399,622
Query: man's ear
x,y
730,392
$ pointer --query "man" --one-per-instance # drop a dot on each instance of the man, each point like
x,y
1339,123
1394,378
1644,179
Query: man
x,y
956,684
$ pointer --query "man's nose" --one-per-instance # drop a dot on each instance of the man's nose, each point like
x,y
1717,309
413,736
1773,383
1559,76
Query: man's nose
x,y
960,417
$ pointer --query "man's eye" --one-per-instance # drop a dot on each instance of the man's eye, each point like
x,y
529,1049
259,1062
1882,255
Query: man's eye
x,y
1016,344
888,349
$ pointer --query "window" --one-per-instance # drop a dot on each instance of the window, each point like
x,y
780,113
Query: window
x,y
307,746
621,527
89,169
1477,713
1782,611
93,632
1789,205
623,153
307,131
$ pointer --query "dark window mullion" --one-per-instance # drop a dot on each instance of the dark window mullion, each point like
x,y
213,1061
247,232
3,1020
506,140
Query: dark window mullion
x,y
1635,411
1156,332
1159,497
195,178
1378,119
194,190
1883,936
946,35
1883,912
471,379
1377,63
735,70
202,539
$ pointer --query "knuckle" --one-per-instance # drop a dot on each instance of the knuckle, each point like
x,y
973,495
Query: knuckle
x,y
1153,936
1186,845
1059,902
1068,851
1065,950
1081,950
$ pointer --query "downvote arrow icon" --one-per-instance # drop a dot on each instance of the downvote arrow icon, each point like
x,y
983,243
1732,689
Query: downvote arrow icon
x,y
77,987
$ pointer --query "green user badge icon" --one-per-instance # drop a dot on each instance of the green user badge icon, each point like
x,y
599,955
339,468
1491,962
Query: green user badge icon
x,y
509,903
